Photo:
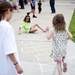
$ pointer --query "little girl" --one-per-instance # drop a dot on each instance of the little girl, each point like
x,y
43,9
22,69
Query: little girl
x,y
25,26
60,37
9,63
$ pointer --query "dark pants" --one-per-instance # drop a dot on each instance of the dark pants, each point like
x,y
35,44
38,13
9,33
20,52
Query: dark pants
x,y
39,8
21,3
52,5
26,2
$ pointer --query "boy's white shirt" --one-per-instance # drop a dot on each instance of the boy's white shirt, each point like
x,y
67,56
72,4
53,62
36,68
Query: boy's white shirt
x,y
7,46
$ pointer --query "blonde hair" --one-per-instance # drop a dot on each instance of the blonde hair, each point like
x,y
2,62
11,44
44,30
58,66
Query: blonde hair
x,y
59,22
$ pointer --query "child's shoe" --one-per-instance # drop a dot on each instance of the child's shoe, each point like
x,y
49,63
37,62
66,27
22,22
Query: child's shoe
x,y
34,16
64,67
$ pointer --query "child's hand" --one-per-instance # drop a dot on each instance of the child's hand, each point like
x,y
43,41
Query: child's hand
x,y
46,29
50,35
19,31
19,69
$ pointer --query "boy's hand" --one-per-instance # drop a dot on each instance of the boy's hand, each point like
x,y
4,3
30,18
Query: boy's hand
x,y
15,63
18,69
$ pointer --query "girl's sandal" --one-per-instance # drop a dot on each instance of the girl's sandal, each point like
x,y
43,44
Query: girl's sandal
x,y
64,67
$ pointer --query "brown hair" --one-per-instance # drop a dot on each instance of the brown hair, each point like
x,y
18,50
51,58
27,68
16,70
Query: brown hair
x,y
26,18
4,6
59,22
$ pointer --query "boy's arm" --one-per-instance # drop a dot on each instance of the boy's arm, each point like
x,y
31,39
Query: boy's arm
x,y
15,62
12,58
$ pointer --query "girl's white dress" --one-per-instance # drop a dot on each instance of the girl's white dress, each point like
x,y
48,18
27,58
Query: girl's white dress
x,y
59,45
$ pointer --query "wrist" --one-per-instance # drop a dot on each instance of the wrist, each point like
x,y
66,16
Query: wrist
x,y
15,63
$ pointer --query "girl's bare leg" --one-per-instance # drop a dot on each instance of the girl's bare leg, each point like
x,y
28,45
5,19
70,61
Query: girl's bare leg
x,y
59,67
33,30
64,65
40,28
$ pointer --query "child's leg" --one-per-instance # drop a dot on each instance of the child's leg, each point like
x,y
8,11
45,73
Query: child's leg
x,y
32,30
59,67
64,64
40,27
44,30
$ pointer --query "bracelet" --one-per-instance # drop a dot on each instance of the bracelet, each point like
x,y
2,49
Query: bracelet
x,y
15,63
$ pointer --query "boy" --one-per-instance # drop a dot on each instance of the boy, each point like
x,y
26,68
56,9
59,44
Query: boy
x,y
9,63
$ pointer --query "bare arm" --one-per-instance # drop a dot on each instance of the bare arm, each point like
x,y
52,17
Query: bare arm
x,y
50,34
15,62
12,58
69,35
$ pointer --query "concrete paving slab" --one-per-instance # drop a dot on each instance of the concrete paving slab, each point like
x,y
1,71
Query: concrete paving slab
x,y
34,49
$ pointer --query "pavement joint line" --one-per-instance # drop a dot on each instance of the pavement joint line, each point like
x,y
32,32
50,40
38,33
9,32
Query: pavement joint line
x,y
33,40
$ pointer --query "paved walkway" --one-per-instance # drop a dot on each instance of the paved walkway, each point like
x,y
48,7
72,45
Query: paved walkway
x,y
34,49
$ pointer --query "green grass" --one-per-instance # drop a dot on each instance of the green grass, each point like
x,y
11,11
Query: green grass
x,y
72,26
